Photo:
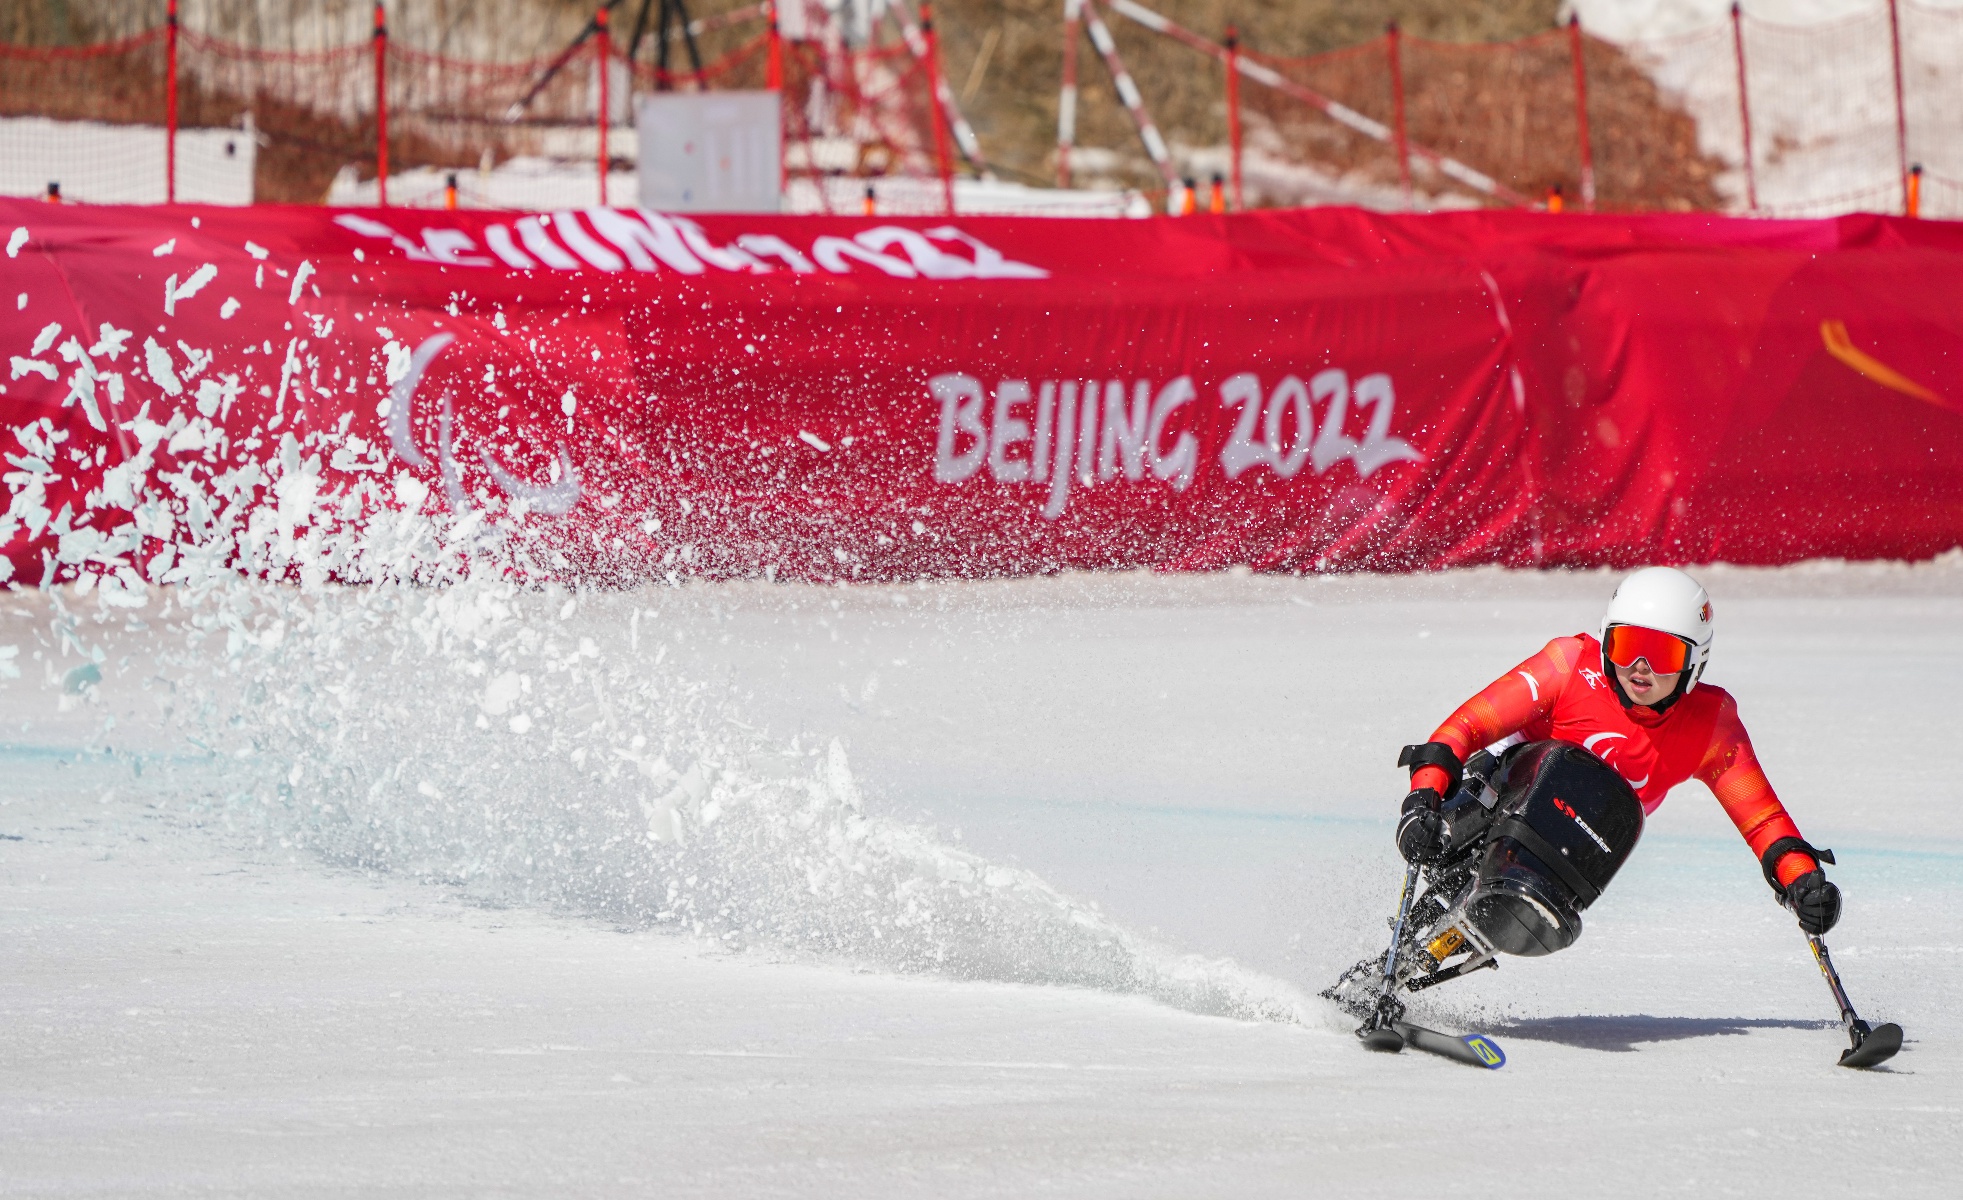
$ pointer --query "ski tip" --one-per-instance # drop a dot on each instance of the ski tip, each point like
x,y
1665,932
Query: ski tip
x,y
1486,1050
1876,1048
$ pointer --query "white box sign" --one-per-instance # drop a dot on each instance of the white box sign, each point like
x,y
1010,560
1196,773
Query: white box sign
x,y
709,151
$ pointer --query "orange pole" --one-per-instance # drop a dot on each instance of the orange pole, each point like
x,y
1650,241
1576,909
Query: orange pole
x,y
1915,190
381,105
934,110
1234,111
170,109
602,53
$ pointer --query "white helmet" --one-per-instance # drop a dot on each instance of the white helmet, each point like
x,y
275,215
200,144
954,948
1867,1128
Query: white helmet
x,y
1666,599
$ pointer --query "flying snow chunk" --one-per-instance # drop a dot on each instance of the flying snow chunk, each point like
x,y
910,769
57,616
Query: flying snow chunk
x,y
156,360
15,242
228,309
164,249
255,250
81,679
814,441
173,291
109,341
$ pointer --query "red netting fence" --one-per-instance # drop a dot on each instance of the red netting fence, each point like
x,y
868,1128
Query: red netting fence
x,y
1745,116
270,126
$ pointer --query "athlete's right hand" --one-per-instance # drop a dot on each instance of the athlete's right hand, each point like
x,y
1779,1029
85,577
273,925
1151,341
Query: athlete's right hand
x,y
1420,830
1815,901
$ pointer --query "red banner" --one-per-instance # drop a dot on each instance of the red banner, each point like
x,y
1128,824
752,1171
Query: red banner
x,y
866,398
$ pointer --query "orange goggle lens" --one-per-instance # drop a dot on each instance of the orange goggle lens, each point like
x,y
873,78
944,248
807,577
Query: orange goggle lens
x,y
1666,652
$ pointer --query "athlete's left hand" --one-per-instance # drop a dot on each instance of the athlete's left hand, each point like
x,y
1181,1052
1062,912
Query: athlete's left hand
x,y
1815,900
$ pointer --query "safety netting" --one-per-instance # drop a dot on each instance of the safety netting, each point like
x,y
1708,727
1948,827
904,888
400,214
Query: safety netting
x,y
1862,113
107,101
858,131
1747,115
554,131
1509,112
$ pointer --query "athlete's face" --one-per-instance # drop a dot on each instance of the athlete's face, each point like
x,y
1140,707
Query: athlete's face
x,y
1643,685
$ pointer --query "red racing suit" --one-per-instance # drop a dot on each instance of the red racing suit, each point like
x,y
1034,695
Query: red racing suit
x,y
1561,693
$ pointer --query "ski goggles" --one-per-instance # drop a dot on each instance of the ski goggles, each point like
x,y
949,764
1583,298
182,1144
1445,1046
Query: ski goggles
x,y
1624,644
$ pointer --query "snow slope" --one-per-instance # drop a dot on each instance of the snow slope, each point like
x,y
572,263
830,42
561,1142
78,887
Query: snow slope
x,y
1064,803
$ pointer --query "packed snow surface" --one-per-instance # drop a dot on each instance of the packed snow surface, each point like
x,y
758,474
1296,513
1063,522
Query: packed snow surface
x,y
988,888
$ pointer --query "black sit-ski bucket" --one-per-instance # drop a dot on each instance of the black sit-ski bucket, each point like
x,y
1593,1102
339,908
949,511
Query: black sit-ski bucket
x,y
1564,823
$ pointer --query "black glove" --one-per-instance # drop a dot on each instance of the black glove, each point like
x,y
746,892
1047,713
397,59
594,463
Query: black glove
x,y
1815,901
1420,830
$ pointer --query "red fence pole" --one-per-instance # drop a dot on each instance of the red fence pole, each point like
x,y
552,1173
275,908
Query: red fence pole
x,y
1901,111
774,76
381,105
1394,37
1234,113
603,55
1581,115
1744,108
170,107
933,96
1066,107
774,80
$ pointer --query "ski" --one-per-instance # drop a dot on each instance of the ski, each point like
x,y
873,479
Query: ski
x,y
1877,1046
1474,1049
